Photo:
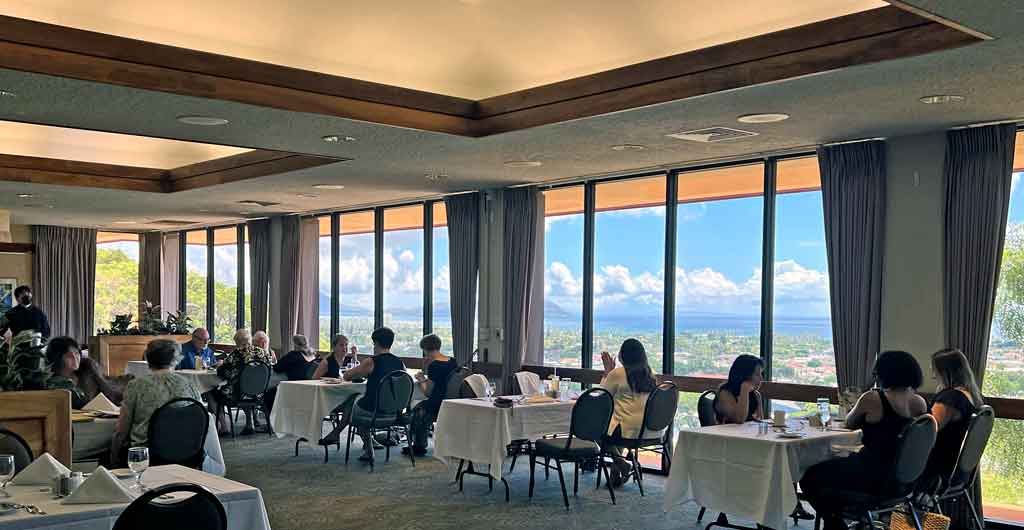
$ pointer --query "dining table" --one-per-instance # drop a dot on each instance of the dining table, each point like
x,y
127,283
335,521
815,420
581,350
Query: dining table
x,y
300,406
203,380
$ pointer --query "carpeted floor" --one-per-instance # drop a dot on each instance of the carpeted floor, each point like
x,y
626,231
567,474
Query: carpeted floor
x,y
303,493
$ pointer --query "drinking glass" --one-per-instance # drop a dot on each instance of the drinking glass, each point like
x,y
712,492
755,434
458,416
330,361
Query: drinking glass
x,y
138,462
489,390
6,472
825,412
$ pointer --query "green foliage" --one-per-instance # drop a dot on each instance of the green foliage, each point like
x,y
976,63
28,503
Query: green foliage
x,y
22,365
1009,309
117,286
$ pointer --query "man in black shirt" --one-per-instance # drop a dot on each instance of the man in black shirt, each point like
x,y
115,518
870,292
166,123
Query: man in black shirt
x,y
433,382
25,315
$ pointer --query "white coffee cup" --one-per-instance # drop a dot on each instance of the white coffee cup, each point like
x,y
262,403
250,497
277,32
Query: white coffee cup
x,y
779,418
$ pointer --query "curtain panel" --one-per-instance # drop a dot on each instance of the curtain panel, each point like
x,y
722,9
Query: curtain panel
x,y
259,272
853,184
308,319
522,208
150,268
464,265
290,282
64,278
978,171
169,300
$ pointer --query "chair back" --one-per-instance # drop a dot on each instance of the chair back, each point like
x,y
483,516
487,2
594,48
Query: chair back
x,y
456,387
706,408
253,380
528,383
978,432
394,393
11,443
177,433
590,416
913,446
478,383
310,370
660,409
200,511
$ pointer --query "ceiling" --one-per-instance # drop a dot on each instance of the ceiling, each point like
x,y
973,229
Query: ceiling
x,y
389,164
465,48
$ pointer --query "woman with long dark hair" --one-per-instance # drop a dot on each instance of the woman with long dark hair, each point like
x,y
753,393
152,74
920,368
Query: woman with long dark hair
x,y
957,398
629,386
738,400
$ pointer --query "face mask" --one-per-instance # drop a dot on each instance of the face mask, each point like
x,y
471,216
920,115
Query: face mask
x,y
25,299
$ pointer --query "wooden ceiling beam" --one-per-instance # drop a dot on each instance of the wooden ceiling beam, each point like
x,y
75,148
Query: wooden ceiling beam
x,y
291,162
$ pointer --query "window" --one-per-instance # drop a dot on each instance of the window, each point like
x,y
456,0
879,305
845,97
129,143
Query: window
x,y
563,277
802,324
247,304
403,277
324,289
195,278
720,222
117,278
356,278
442,313
225,283
629,263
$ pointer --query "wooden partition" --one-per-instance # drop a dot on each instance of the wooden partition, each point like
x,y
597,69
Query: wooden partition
x,y
42,418
114,351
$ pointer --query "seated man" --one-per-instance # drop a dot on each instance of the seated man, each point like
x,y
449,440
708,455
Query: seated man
x,y
200,344
437,367
374,370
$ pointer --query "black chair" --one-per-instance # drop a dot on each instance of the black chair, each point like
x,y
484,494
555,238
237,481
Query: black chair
x,y
394,398
11,443
200,511
339,419
913,446
247,391
707,417
659,411
177,433
589,424
457,387
960,483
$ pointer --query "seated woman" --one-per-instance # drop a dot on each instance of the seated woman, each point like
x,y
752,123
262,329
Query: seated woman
x,y
341,354
957,398
881,414
261,340
296,365
738,400
244,353
147,393
82,377
629,385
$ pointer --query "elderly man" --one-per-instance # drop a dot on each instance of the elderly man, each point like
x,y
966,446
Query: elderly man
x,y
199,345
261,340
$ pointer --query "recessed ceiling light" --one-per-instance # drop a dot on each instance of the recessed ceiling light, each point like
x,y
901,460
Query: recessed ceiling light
x,y
308,195
204,121
939,99
333,138
628,147
25,195
329,186
523,163
244,213
124,222
7,94
766,117
436,177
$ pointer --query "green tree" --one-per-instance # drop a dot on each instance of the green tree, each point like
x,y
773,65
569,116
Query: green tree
x,y
116,290
1009,310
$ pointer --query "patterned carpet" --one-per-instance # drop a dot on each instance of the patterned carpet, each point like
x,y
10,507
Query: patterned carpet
x,y
303,493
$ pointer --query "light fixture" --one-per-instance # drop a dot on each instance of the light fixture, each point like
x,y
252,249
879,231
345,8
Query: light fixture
x,y
7,94
436,177
765,117
308,195
333,138
329,186
25,195
628,147
203,121
939,99
523,163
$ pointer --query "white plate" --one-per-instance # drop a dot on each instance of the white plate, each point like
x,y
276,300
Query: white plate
x,y
791,435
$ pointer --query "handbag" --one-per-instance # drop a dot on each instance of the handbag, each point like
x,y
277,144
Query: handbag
x,y
929,521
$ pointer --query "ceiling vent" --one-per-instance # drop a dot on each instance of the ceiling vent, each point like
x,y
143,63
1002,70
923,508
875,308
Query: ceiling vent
x,y
258,203
172,222
712,134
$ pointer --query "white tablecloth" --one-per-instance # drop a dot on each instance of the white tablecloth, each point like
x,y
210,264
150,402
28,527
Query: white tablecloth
x,y
243,504
300,406
93,437
203,380
474,429
733,469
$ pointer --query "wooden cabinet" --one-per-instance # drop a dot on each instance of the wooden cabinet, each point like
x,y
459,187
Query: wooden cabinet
x,y
114,351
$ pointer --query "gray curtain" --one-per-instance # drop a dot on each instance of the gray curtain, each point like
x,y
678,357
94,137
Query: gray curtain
x,y
259,272
289,295
169,300
853,199
309,280
464,265
520,255
64,278
978,167
534,352
150,268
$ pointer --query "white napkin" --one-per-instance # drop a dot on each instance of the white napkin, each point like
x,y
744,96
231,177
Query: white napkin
x,y
538,398
102,487
41,472
100,403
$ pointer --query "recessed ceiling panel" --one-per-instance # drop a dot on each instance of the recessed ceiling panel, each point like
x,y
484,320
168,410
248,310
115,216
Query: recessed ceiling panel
x,y
466,48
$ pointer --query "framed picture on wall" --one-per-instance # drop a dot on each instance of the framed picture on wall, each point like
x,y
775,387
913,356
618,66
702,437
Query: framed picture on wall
x,y
7,286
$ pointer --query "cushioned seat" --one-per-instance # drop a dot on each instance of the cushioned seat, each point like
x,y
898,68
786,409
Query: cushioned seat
x,y
552,447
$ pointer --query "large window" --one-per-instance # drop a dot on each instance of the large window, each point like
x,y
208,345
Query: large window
x,y
324,287
403,277
356,267
225,283
195,278
117,278
563,277
442,313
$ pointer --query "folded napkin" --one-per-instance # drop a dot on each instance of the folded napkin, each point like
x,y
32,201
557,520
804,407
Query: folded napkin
x,y
100,403
40,472
102,487
538,398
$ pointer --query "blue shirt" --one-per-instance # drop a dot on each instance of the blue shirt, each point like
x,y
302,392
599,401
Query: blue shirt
x,y
188,352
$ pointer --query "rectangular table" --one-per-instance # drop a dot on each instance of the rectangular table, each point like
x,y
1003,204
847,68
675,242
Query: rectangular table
x,y
243,504
300,406
735,470
474,429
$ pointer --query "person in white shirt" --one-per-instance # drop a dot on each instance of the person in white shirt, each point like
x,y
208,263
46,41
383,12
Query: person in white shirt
x,y
629,385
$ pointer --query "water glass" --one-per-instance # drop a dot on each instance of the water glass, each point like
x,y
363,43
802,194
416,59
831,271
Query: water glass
x,y
563,389
6,472
489,390
824,412
138,462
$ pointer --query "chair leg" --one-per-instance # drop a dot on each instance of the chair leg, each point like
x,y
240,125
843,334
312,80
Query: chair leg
x,y
561,480
575,478
297,442
913,513
512,467
408,443
387,446
458,472
348,443
533,464
547,470
325,454
700,515
974,511
637,474
602,468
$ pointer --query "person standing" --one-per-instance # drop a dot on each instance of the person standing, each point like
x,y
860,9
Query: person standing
x,y
199,345
25,316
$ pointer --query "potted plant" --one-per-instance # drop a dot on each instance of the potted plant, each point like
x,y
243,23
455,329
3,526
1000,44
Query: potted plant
x,y
23,364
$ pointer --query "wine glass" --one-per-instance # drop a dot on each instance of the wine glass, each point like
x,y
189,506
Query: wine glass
x,y
138,462
6,472
489,391
825,412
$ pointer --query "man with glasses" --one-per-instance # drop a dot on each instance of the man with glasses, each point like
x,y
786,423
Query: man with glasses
x,y
199,345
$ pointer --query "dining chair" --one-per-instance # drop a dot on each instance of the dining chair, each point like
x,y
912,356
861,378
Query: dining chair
x,y
478,383
11,443
177,433
659,411
707,417
394,400
960,483
200,511
247,393
527,383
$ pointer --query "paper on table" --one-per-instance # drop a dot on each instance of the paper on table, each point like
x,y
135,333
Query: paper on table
x,y
100,403
539,398
42,471
102,487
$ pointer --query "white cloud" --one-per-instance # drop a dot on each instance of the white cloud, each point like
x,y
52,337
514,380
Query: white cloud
x,y
407,256
443,279
692,211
